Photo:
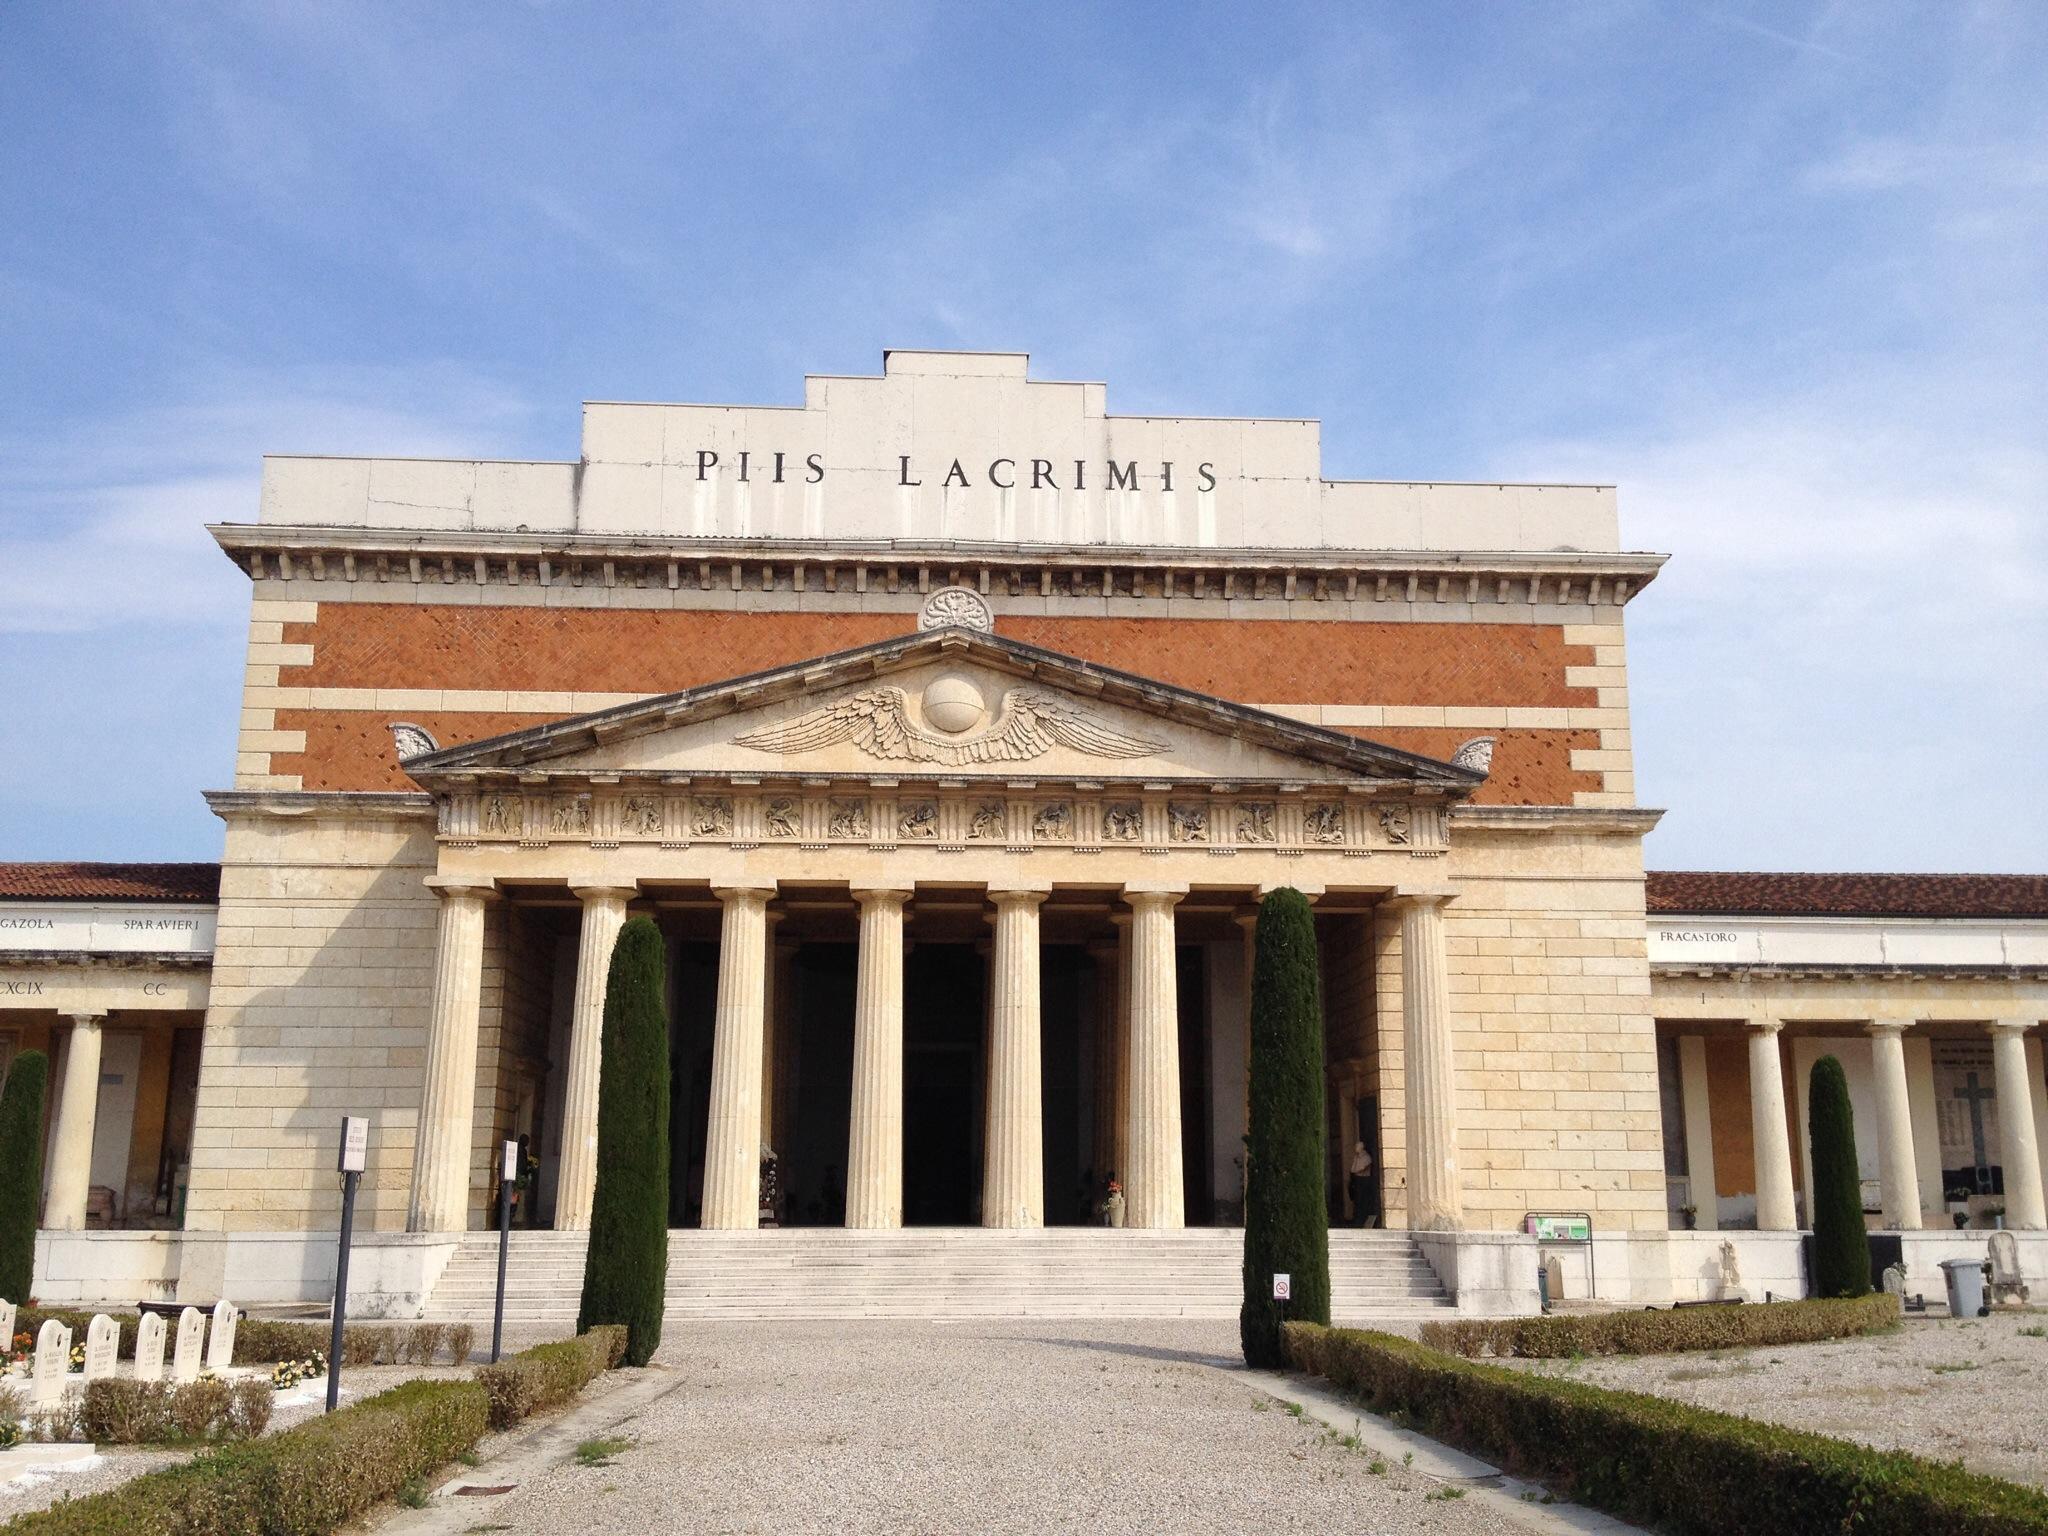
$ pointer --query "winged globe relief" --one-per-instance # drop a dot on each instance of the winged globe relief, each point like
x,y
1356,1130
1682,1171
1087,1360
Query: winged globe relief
x,y
877,720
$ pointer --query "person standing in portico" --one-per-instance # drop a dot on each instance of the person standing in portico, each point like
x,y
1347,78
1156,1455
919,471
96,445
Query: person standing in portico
x,y
1363,1203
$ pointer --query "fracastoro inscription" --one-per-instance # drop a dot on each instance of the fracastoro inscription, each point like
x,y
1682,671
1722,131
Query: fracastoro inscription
x,y
877,720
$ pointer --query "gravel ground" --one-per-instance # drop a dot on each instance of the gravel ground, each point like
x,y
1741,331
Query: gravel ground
x,y
1945,1389
1018,1426
116,1464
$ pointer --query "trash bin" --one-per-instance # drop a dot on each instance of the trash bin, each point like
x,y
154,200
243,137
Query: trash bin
x,y
1965,1279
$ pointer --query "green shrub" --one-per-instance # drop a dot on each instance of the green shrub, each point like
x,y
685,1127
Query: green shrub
x,y
30,1320
306,1481
461,1342
1841,1247
1286,1216
265,1341
1660,1463
625,1273
1663,1333
549,1374
119,1411
21,1172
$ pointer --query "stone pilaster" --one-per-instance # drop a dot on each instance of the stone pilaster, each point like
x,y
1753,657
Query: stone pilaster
x,y
874,1152
447,1123
78,1102
1774,1207
1900,1181
732,1145
2019,1147
1436,1200
1153,1181
1013,1165
604,914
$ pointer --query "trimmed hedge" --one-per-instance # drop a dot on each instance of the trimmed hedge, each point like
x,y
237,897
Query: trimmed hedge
x,y
117,1411
265,1341
1286,1214
21,1172
306,1481
1645,1459
549,1374
625,1273
1661,1333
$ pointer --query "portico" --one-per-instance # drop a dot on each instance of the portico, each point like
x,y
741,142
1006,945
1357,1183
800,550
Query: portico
x,y
935,789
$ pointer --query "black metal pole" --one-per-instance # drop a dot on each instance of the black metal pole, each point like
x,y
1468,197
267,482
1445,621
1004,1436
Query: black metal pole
x,y
348,1222
504,1242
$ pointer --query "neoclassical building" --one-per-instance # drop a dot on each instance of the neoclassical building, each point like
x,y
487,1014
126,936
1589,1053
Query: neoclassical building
x,y
952,729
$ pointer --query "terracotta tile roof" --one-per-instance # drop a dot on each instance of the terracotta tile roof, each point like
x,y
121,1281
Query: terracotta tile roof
x,y
1735,893
109,882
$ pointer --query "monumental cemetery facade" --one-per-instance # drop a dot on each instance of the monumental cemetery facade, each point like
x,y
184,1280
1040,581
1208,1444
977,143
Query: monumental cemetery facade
x,y
952,727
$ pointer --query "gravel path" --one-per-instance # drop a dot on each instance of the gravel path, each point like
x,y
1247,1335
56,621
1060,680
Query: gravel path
x,y
1945,1389
1032,1427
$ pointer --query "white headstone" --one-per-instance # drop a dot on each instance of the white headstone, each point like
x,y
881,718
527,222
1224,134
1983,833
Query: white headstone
x,y
220,1348
191,1344
102,1346
149,1348
1553,1271
6,1326
53,1363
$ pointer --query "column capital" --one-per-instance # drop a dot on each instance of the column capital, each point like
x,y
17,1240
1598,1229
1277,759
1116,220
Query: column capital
x,y
598,890
880,895
446,886
1887,1026
744,895
2010,1026
1764,1026
88,1016
1419,896
1153,900
1017,898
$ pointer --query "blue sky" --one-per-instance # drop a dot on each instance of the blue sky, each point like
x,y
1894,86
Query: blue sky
x,y
1780,271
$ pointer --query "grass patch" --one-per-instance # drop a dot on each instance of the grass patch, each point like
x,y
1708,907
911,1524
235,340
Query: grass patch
x,y
1953,1366
600,1452
1444,1495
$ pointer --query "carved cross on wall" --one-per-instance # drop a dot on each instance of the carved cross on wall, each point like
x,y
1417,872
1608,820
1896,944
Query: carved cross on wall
x,y
1976,1097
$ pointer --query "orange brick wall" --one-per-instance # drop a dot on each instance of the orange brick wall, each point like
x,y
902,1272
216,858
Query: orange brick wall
x,y
1305,662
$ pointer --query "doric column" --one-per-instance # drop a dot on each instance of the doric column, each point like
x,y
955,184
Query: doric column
x,y
1103,957
1774,1208
1436,1199
874,1151
732,1143
1154,1192
2019,1150
1900,1183
78,1101
1013,1159
441,1147
604,914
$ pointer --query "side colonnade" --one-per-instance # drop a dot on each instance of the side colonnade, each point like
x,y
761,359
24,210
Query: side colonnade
x,y
1140,1074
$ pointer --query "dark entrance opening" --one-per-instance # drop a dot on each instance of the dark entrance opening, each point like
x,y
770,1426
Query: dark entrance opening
x,y
813,1143
943,1013
694,992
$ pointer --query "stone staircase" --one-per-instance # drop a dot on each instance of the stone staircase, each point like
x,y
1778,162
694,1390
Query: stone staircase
x,y
937,1272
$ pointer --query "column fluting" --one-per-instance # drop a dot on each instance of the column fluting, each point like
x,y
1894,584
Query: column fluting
x,y
1436,1198
78,1100
2019,1149
1153,1180
874,1141
447,1122
1013,1160
1900,1181
604,914
1774,1206
732,1142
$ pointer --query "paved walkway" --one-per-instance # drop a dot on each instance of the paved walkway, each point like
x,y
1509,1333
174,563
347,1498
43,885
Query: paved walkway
x,y
899,1427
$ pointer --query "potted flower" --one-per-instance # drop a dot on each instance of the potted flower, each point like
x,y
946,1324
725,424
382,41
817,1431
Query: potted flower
x,y
1997,1215
1690,1215
1959,1206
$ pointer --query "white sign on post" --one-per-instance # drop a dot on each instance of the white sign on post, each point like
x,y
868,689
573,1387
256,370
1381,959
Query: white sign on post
x,y
355,1144
1283,1287
509,1170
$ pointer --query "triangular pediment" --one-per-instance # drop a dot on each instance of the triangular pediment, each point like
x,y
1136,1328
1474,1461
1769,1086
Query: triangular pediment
x,y
948,703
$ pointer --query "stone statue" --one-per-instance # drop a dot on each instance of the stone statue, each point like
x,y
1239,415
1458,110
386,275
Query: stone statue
x,y
1731,1273
771,1186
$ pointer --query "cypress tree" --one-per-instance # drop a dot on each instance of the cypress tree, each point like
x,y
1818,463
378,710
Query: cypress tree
x,y
626,1272
1841,1251
1286,1216
21,1173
